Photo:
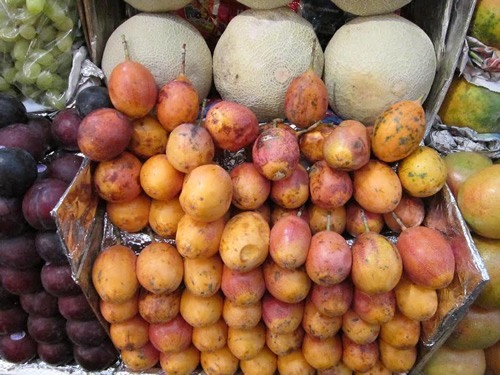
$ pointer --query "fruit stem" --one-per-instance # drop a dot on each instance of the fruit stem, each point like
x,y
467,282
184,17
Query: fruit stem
x,y
399,221
125,48
183,62
329,220
312,127
313,52
202,113
365,221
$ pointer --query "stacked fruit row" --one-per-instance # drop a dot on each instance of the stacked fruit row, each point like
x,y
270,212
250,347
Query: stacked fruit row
x,y
281,261
43,311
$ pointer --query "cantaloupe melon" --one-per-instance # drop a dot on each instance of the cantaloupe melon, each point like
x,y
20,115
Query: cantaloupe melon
x,y
155,40
259,54
373,62
369,7
264,4
158,5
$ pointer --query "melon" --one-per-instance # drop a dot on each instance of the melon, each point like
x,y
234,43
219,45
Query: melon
x,y
264,4
373,62
485,23
468,105
259,54
369,7
158,5
155,40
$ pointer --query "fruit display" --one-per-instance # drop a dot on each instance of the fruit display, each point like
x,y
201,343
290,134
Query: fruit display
x,y
263,204
43,312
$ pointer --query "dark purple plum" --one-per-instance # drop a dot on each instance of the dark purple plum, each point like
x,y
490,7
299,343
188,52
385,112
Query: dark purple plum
x,y
58,280
19,252
12,110
55,354
40,199
92,98
12,221
22,136
88,333
40,303
42,126
65,126
49,330
76,308
18,347
7,299
12,320
65,167
49,246
18,171
95,358
21,281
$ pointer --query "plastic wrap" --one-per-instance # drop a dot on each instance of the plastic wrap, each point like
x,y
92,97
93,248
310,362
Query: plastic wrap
x,y
37,40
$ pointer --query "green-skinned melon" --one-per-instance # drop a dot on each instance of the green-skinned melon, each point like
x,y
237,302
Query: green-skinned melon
x,y
468,105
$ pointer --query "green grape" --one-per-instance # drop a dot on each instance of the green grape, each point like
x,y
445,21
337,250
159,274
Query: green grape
x,y
47,33
42,57
58,83
65,62
27,31
54,99
18,65
54,11
64,25
5,47
30,91
9,74
64,41
20,78
4,85
35,6
31,71
9,33
14,3
20,50
45,80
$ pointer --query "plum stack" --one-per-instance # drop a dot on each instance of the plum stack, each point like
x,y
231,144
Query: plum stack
x,y
43,312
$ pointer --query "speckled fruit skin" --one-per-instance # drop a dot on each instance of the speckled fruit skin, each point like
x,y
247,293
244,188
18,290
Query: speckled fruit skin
x,y
468,105
398,131
275,153
485,23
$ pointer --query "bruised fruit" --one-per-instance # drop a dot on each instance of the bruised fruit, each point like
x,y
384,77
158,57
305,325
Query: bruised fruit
x,y
159,307
422,173
148,137
376,263
159,268
377,187
131,216
427,256
118,179
178,100
160,179
332,300
231,125
275,153
104,134
398,130
293,191
202,276
245,241
329,188
347,147
311,143
329,258
142,358
114,275
189,146
206,193
376,308
250,188
306,98
289,241
281,316
284,343
132,88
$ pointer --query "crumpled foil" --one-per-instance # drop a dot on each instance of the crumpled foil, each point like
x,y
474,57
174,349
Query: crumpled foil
x,y
480,64
446,139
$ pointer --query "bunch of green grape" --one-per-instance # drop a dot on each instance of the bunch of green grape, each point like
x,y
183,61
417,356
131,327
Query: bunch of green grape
x,y
36,40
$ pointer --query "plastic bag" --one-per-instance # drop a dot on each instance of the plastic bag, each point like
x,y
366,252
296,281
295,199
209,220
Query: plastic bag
x,y
36,44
